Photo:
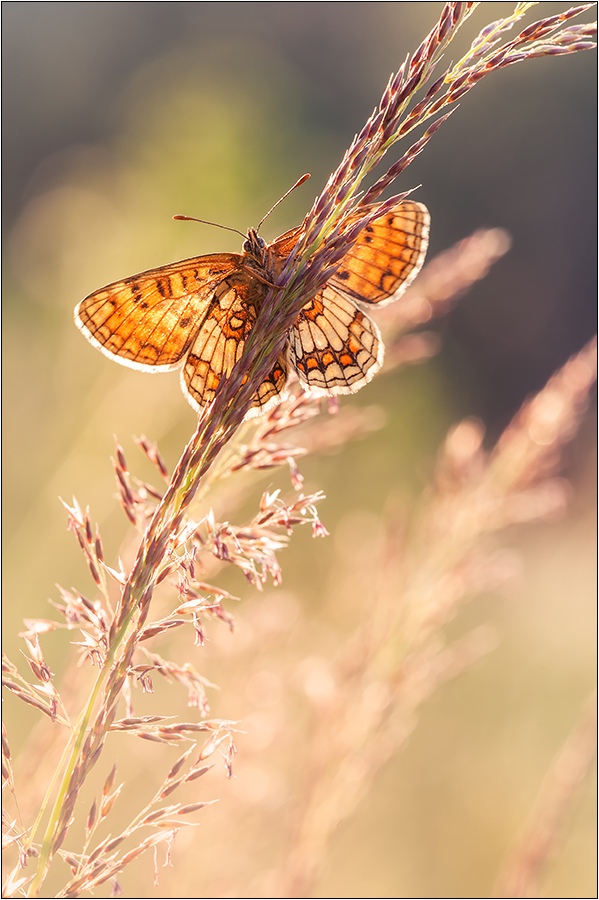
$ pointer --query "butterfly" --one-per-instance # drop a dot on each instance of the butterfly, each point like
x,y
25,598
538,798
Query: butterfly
x,y
198,313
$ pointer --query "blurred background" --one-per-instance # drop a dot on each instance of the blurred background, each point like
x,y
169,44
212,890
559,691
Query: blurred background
x,y
119,115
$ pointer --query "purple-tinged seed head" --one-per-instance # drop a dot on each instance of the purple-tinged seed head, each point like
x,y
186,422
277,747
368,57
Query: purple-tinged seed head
x,y
446,23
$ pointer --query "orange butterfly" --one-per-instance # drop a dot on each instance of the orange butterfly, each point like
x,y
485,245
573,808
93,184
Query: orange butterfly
x,y
198,313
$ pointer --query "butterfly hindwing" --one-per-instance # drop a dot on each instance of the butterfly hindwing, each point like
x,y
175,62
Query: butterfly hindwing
x,y
271,390
219,345
334,347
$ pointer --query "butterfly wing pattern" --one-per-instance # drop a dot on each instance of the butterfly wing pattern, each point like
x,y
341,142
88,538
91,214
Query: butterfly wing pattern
x,y
149,321
334,346
219,344
198,313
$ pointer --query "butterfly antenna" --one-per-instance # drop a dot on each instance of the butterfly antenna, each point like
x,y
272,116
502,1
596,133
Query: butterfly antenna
x,y
204,222
297,184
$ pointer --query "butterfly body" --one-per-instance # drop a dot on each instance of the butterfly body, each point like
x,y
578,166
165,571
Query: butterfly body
x,y
199,312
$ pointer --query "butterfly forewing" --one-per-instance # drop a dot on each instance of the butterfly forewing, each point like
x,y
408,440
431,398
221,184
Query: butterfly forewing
x,y
387,255
149,321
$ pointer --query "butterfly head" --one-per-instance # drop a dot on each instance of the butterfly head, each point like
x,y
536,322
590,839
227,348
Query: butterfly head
x,y
254,245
